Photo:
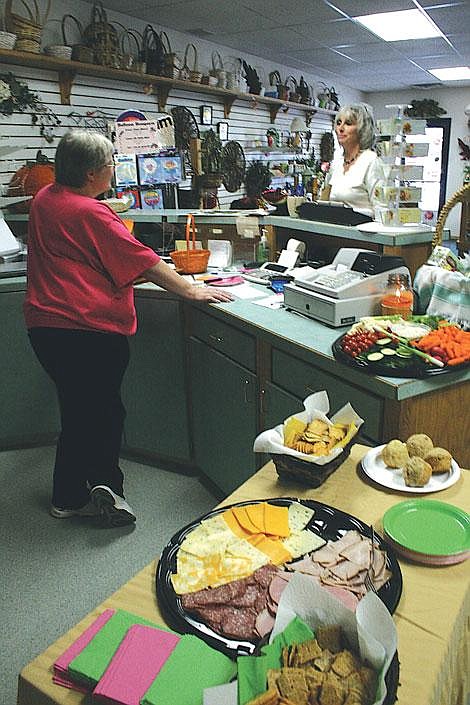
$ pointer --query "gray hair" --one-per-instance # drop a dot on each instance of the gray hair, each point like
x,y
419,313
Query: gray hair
x,y
361,115
77,153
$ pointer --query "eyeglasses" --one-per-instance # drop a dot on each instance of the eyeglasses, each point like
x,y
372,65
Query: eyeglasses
x,y
108,165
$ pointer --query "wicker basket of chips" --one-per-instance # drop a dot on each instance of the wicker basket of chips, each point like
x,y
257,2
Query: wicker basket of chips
x,y
190,260
307,447
305,473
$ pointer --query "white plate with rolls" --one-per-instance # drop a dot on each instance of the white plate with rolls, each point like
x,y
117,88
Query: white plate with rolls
x,y
375,468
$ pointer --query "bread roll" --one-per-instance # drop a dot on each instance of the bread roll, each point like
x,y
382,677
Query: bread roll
x,y
439,459
417,472
419,444
395,454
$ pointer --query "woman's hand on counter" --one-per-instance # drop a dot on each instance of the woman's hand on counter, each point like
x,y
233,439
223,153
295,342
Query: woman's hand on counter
x,y
166,277
209,294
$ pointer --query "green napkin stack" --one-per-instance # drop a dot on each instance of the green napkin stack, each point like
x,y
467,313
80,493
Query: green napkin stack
x,y
252,670
191,667
88,667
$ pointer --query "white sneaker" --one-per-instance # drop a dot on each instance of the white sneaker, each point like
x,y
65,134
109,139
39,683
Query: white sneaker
x,y
114,510
89,510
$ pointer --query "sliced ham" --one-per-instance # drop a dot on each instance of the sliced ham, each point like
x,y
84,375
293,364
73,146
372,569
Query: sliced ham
x,y
348,599
264,623
358,552
276,588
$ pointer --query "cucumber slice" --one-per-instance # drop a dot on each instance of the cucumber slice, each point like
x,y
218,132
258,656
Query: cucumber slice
x,y
375,357
383,341
403,352
388,351
405,356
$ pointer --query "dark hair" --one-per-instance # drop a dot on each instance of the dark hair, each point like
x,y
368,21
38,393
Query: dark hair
x,y
361,115
78,152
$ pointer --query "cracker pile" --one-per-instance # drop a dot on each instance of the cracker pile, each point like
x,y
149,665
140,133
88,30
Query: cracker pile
x,y
317,438
320,672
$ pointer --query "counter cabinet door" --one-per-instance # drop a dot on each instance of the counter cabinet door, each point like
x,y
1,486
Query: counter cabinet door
x,y
224,413
154,386
29,405
302,379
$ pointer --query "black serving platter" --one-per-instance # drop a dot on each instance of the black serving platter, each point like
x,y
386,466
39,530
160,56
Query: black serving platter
x,y
328,522
403,367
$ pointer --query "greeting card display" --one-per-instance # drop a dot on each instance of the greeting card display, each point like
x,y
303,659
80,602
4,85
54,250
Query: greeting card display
x,y
159,169
152,199
125,170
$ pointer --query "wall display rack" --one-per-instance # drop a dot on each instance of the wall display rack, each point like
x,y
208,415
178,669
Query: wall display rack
x,y
68,70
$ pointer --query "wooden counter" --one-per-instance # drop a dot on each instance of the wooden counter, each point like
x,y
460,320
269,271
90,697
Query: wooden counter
x,y
432,617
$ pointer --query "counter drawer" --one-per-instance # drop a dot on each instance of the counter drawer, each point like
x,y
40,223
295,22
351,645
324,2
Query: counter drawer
x,y
223,337
301,379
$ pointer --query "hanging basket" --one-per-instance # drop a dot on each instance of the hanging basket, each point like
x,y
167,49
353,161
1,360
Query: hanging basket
x,y
28,29
190,261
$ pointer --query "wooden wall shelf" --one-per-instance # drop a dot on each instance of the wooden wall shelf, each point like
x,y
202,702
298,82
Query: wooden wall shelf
x,y
68,70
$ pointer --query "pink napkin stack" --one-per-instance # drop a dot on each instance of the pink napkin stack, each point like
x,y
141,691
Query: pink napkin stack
x,y
135,665
60,676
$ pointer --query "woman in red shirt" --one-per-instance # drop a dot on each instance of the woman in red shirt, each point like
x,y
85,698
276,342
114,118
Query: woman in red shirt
x,y
79,310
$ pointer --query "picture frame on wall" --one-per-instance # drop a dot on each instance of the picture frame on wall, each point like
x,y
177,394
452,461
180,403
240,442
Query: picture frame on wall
x,y
206,115
222,130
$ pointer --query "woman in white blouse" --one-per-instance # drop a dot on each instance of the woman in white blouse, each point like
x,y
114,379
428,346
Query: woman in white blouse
x,y
353,176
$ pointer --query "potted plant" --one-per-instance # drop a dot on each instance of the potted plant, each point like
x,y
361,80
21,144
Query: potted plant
x,y
424,109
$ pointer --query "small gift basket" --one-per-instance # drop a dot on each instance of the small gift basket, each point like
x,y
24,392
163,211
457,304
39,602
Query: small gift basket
x,y
190,261
308,447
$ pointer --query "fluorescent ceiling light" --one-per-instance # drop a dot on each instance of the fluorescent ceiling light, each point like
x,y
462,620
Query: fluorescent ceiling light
x,y
401,25
458,73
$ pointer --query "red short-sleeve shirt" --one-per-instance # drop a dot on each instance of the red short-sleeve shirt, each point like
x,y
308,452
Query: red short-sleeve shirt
x,y
82,262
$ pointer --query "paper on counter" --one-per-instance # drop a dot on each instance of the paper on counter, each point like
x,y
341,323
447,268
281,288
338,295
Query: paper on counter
x,y
316,406
246,291
275,301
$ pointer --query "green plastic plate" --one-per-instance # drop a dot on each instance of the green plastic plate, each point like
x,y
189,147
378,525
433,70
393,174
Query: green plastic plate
x,y
428,526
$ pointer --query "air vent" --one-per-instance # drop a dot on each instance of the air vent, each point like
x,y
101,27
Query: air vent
x,y
199,32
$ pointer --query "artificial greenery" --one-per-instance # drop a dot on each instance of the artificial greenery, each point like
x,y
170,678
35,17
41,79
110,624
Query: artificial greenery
x,y
211,152
257,179
424,108
252,78
327,147
15,96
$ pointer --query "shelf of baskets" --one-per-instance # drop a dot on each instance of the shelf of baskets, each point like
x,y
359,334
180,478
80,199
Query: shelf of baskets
x,y
161,86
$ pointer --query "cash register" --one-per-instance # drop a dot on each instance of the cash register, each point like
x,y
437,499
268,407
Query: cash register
x,y
344,291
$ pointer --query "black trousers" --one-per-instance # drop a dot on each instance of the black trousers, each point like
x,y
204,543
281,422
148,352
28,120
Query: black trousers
x,y
87,368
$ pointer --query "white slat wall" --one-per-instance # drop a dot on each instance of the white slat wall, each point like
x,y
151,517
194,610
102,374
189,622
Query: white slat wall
x,y
248,121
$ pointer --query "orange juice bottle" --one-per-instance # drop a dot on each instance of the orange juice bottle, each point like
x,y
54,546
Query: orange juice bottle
x,y
398,296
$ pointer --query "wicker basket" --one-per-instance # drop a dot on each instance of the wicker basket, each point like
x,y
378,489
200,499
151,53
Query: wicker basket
x,y
310,474
190,261
193,74
7,40
102,37
80,52
28,30
461,196
152,52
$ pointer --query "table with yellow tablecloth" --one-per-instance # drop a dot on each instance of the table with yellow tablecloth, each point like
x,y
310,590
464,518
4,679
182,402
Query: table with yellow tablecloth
x,y
432,617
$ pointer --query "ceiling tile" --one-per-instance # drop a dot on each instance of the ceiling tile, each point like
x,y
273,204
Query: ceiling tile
x,y
370,52
336,32
451,19
426,47
292,12
355,8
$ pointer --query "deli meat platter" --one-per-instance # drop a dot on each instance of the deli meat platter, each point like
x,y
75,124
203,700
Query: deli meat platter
x,y
327,524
